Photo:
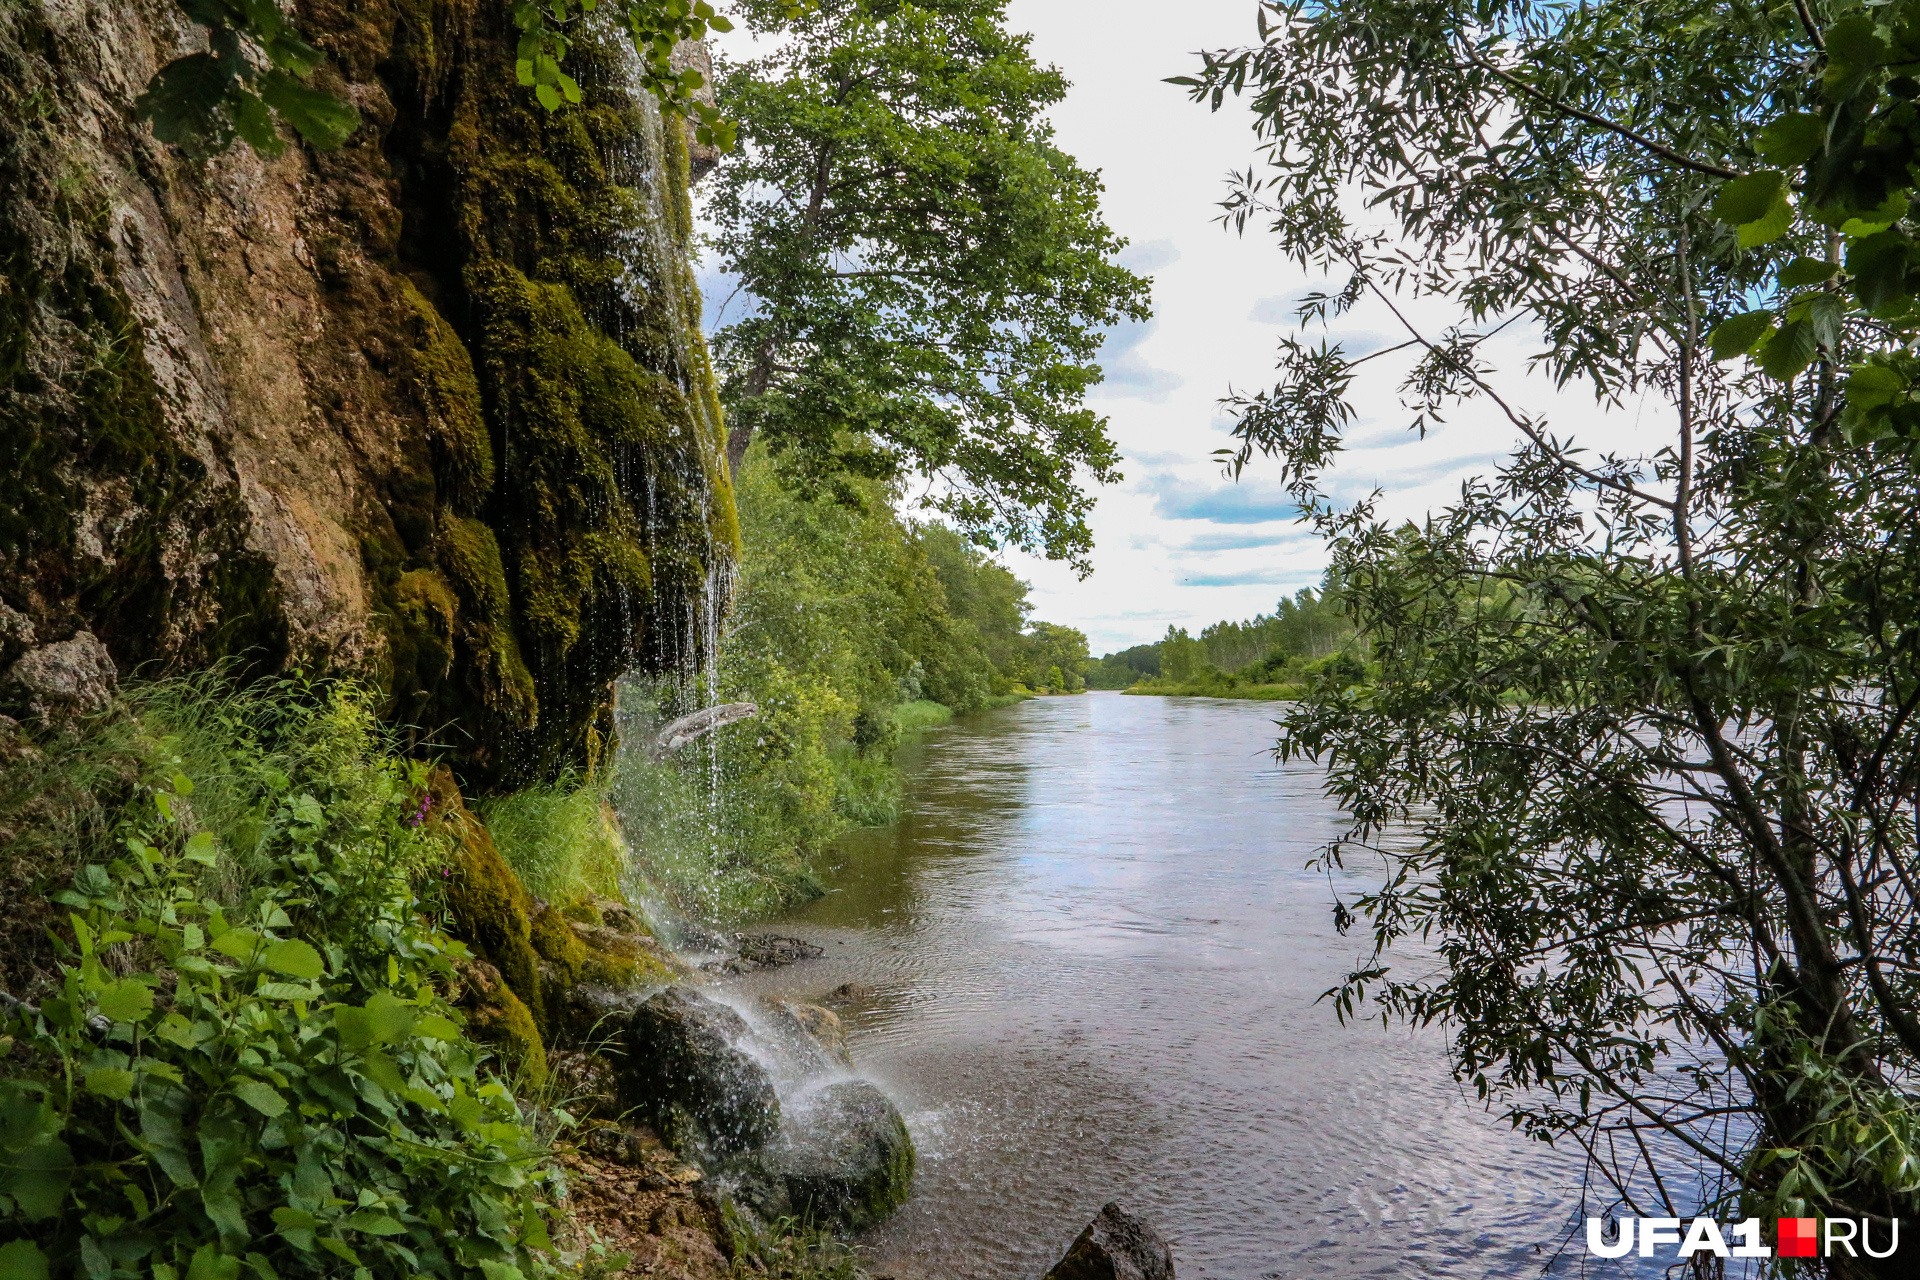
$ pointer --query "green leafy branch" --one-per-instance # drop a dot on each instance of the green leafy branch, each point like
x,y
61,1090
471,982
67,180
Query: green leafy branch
x,y
251,79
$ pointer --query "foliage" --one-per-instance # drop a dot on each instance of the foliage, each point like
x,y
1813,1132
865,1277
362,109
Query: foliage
x,y
1118,670
253,77
929,275
852,627
558,839
653,27
258,1069
1266,648
1648,718
251,80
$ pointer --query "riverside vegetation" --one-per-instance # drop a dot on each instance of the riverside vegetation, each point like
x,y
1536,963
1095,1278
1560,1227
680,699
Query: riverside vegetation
x,y
352,391
1307,639
1647,715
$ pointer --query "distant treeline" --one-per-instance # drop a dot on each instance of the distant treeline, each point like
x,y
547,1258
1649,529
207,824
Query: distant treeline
x,y
1266,648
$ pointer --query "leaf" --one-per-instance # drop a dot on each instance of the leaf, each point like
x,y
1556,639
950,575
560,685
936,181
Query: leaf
x,y
339,1248
96,1263
126,1001
296,1225
22,1260
1871,386
261,1267
1748,199
323,120
113,1083
1805,271
294,958
1855,42
210,1264
242,944
1736,335
1770,226
261,1096
203,849
367,1222
287,991
188,104
1787,353
1792,139
37,1179
435,1027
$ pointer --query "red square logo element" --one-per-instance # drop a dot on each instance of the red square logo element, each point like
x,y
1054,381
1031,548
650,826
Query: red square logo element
x,y
1799,1237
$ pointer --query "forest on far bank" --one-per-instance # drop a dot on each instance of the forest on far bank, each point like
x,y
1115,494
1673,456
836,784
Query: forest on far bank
x,y
1269,655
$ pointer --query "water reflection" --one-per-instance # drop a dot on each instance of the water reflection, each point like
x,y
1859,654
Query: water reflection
x,y
1093,954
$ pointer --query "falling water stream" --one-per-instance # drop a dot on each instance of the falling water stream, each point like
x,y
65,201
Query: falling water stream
x,y
1092,954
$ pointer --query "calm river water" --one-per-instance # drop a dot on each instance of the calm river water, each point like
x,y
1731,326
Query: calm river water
x,y
1094,955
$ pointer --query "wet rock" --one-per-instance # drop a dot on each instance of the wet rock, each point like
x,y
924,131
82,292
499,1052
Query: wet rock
x,y
680,1069
807,1035
771,950
827,1031
1115,1246
845,1160
848,993
591,1015
59,681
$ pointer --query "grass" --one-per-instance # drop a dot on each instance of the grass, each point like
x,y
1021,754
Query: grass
x,y
1220,689
921,714
560,839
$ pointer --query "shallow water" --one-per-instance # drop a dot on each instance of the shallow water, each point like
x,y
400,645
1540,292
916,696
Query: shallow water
x,y
1095,954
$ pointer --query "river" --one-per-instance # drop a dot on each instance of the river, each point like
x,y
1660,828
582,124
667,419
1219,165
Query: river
x,y
1094,953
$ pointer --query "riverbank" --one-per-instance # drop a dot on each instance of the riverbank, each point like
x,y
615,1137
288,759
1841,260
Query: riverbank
x,y
1230,687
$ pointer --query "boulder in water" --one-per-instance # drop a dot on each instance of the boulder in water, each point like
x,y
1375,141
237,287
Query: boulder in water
x,y
768,950
845,1161
1115,1246
806,1035
680,1068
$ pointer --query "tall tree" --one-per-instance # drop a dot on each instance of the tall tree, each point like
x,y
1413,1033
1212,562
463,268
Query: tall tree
x,y
929,275
1650,718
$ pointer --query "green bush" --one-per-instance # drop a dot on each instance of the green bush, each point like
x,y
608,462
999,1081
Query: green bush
x,y
245,1062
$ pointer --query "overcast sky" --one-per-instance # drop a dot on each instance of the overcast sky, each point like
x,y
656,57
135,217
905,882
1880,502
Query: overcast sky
x,y
1176,543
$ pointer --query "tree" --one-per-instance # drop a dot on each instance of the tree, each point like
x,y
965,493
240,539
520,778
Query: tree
x,y
929,275
1650,719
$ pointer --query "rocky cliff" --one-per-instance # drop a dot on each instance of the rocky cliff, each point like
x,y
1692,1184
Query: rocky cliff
x,y
432,408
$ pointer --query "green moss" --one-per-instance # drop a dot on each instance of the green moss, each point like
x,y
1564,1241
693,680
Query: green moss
x,y
488,903
468,553
553,937
509,1027
567,277
464,453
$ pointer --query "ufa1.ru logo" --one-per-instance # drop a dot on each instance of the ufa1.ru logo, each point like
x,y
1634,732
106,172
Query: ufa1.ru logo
x,y
1798,1237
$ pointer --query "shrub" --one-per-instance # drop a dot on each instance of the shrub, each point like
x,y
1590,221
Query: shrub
x,y
246,1061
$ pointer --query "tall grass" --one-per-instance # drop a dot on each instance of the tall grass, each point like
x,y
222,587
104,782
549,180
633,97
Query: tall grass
x,y
560,838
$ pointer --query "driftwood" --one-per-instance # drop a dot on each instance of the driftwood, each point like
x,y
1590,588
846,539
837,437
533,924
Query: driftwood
x,y
676,734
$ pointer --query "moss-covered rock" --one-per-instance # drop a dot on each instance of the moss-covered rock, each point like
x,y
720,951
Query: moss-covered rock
x,y
499,1019
846,1160
432,407
491,909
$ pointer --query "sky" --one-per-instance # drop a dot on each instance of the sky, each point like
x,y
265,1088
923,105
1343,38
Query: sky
x,y
1176,542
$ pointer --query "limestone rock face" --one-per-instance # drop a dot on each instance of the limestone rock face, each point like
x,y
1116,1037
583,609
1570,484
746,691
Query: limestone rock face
x,y
432,408
1116,1246
681,1068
